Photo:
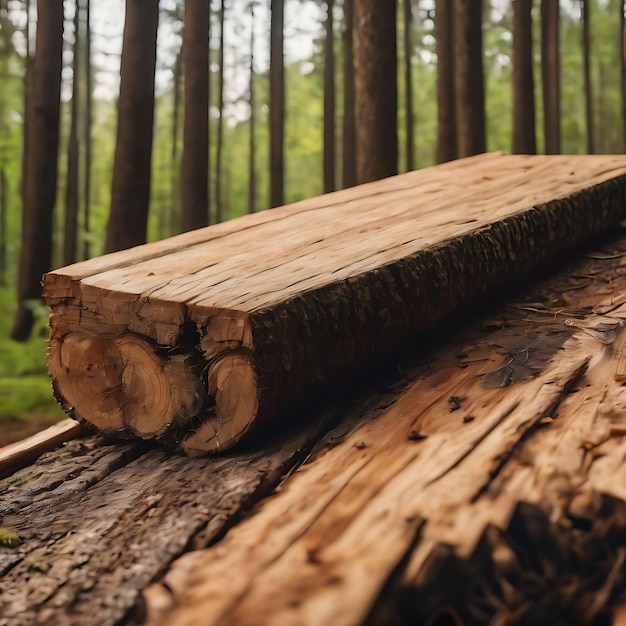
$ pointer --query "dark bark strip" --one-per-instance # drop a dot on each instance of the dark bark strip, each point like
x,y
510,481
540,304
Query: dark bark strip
x,y
130,189
447,149
524,135
307,342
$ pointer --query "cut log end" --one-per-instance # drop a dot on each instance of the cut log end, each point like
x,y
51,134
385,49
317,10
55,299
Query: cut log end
x,y
232,382
123,385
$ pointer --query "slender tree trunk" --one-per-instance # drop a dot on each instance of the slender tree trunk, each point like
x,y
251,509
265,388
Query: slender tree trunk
x,y
622,47
252,146
447,136
87,133
551,75
130,195
329,100
349,107
277,103
408,86
524,134
219,156
586,42
26,102
71,187
175,169
5,39
469,79
3,227
41,182
376,89
195,166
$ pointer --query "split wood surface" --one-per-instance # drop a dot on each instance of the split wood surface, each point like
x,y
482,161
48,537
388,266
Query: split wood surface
x,y
483,483
195,339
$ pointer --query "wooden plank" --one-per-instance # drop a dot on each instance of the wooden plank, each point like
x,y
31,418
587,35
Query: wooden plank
x,y
245,320
21,453
88,525
490,491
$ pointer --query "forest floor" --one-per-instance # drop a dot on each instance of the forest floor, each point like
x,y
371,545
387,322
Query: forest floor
x,y
26,401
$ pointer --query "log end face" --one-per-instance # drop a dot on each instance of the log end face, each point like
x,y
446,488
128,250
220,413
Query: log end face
x,y
121,384
233,384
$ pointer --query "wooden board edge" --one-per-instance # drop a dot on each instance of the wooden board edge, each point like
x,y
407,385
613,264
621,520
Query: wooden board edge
x,y
20,453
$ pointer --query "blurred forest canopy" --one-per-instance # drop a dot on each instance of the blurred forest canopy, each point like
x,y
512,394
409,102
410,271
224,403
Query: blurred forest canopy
x,y
244,162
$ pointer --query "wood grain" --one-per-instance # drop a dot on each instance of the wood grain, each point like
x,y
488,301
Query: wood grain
x,y
302,296
490,490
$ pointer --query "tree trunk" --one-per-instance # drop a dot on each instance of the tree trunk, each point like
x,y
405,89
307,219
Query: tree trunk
x,y
408,86
71,187
622,47
469,79
41,172
586,37
524,135
376,89
551,75
447,136
175,172
27,87
349,107
329,100
87,132
3,227
252,146
219,155
195,166
277,102
130,194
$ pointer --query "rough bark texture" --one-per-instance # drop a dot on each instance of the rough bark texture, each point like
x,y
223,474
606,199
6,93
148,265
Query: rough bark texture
x,y
551,75
481,482
195,166
447,137
349,98
469,79
329,99
130,192
40,176
191,344
488,491
277,103
97,522
376,89
524,134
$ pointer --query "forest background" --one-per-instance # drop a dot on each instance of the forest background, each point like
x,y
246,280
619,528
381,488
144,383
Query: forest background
x,y
591,118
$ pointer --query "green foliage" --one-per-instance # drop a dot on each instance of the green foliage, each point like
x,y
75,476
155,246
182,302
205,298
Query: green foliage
x,y
24,384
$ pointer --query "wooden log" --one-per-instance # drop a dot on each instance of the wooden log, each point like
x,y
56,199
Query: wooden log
x,y
490,491
246,318
486,474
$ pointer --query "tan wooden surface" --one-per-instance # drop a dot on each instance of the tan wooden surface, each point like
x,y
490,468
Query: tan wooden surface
x,y
243,321
482,482
527,407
